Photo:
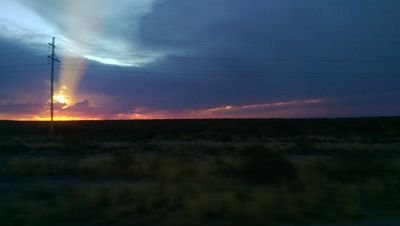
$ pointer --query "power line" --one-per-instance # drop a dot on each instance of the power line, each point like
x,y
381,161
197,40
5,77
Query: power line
x,y
188,73
23,65
259,42
126,69
260,59
259,73
21,52
248,59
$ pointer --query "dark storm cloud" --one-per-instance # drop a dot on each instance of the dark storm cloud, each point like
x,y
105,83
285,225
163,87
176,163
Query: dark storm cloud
x,y
23,73
16,108
247,52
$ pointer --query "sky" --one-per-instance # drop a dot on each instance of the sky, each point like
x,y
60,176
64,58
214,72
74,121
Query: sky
x,y
163,59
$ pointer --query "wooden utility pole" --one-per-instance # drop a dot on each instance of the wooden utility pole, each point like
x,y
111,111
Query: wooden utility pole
x,y
53,60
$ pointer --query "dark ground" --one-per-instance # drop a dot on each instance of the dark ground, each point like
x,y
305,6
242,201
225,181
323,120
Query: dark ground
x,y
201,172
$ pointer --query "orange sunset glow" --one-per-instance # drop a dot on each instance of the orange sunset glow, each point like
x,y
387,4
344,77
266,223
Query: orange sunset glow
x,y
67,111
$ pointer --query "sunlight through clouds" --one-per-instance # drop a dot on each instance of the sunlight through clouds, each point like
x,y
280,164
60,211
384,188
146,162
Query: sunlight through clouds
x,y
82,28
19,22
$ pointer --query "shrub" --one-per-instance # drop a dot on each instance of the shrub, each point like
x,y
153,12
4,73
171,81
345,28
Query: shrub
x,y
360,163
12,148
42,166
264,166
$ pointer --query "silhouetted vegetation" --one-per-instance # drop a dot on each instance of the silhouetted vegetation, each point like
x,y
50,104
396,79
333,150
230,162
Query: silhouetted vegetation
x,y
264,166
200,172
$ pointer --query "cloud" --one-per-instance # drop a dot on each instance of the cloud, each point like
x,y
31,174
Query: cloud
x,y
267,110
15,107
82,28
188,57
21,23
294,108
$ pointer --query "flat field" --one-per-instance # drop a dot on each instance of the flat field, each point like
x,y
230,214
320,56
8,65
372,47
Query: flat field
x,y
201,172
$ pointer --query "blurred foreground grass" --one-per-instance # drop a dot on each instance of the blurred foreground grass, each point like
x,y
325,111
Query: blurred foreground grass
x,y
292,179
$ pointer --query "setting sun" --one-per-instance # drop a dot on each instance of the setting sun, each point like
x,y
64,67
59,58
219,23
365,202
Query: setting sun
x,y
61,98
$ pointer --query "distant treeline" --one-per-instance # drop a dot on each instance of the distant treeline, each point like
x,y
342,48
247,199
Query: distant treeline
x,y
374,129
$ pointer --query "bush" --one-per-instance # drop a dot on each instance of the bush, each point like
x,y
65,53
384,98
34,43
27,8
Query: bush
x,y
361,163
38,167
12,148
264,166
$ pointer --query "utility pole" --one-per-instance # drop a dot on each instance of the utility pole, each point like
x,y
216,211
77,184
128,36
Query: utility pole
x,y
53,60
